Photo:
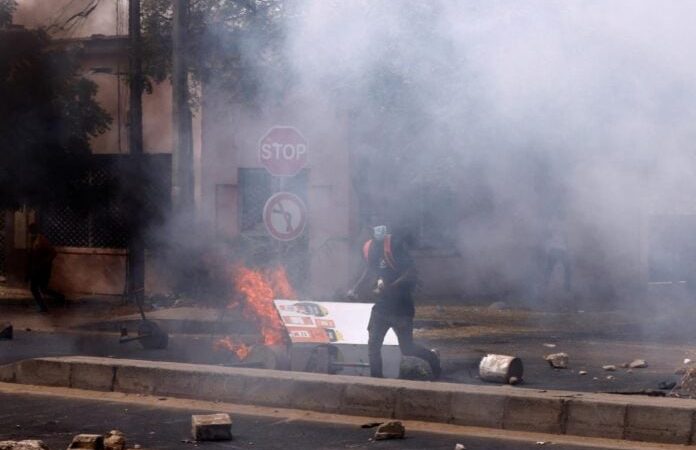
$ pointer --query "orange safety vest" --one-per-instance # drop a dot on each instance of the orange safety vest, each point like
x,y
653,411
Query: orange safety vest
x,y
388,255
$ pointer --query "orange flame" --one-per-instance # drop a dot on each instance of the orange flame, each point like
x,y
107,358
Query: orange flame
x,y
259,289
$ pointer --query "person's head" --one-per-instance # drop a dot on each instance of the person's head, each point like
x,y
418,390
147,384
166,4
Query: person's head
x,y
379,232
33,229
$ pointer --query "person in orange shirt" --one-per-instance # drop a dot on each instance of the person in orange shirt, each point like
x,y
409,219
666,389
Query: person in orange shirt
x,y
41,256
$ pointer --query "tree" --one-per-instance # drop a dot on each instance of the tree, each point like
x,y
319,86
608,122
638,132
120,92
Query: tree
x,y
47,117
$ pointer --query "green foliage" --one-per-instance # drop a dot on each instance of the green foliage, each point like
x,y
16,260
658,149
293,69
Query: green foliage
x,y
7,9
47,117
222,35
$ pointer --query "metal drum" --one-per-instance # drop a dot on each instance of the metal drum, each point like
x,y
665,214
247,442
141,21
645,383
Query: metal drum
x,y
500,368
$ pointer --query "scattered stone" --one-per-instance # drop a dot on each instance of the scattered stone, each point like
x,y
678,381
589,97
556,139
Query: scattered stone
x,y
23,445
611,377
638,364
687,361
115,440
687,385
390,430
88,441
609,368
371,424
211,427
582,372
416,369
549,345
624,366
542,442
498,306
514,380
557,360
459,447
6,331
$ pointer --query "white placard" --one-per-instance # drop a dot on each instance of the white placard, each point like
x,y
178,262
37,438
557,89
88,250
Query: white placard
x,y
328,322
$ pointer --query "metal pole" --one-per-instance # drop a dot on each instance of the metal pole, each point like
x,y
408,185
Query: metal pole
x,y
136,246
182,157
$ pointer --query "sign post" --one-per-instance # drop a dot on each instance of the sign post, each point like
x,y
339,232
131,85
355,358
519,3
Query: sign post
x,y
285,216
283,151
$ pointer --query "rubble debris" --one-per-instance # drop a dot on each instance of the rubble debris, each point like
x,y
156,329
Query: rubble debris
x,y
687,361
460,447
666,385
211,427
88,441
514,380
609,368
549,345
687,385
500,368
23,445
542,442
498,306
638,364
6,331
390,430
582,372
557,360
624,366
416,369
371,424
611,377
114,440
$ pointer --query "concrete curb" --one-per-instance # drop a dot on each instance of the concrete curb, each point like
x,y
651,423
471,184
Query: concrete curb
x,y
660,420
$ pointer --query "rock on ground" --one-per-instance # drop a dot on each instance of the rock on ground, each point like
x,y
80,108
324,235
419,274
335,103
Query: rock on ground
x,y
211,427
115,440
414,369
557,360
638,364
23,445
687,385
390,430
88,441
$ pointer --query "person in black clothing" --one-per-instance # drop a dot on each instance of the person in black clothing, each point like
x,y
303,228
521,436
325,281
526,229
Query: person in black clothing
x,y
389,263
41,256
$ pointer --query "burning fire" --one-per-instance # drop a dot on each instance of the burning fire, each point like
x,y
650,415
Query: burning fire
x,y
259,289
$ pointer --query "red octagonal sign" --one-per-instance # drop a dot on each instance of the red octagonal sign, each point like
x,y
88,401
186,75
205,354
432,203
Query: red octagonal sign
x,y
283,151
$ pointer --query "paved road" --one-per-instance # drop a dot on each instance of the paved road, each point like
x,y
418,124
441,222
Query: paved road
x,y
56,419
460,365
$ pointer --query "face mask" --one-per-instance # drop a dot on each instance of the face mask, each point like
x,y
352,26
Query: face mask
x,y
379,232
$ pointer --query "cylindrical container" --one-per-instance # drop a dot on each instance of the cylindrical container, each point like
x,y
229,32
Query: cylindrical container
x,y
500,368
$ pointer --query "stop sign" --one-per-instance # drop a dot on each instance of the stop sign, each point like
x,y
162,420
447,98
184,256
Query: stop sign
x,y
283,151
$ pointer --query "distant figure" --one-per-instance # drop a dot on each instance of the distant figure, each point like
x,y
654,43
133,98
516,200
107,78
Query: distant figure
x,y
556,252
41,256
389,267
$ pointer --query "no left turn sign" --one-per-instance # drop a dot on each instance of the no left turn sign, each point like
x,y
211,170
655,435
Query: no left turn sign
x,y
285,216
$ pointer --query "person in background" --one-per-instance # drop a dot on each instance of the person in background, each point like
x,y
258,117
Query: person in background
x,y
556,252
390,270
41,256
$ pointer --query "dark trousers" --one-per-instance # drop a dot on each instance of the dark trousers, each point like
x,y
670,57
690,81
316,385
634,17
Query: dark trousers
x,y
553,257
38,282
379,324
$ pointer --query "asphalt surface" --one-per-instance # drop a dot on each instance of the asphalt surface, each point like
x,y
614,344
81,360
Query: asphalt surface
x,y
460,366
55,420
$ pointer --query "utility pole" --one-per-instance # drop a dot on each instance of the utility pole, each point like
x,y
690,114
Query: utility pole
x,y
182,157
136,246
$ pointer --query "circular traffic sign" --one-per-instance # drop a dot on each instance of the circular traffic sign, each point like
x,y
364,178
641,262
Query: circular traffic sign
x,y
285,216
283,151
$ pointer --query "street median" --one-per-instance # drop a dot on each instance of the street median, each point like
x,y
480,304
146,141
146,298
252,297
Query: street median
x,y
663,420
